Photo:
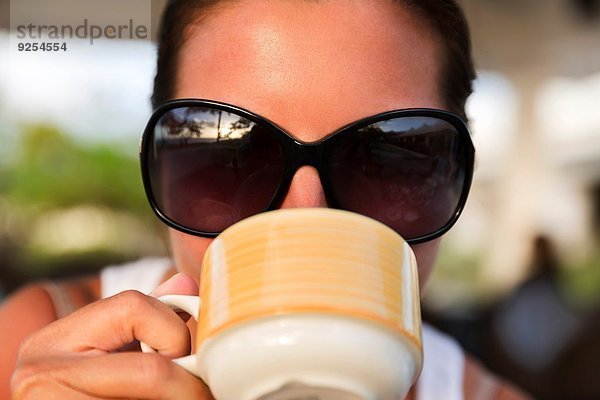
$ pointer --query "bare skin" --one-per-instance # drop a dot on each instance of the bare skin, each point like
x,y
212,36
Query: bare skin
x,y
309,67
273,73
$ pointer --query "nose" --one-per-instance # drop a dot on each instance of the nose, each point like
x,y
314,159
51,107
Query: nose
x,y
305,190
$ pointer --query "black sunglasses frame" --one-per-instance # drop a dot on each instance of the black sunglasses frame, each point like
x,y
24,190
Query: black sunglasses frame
x,y
298,153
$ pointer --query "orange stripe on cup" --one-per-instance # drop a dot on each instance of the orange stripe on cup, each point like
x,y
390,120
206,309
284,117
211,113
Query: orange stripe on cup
x,y
309,261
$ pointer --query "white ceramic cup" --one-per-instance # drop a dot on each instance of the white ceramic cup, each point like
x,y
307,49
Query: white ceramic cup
x,y
306,304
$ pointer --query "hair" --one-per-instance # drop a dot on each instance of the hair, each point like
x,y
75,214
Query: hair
x,y
445,17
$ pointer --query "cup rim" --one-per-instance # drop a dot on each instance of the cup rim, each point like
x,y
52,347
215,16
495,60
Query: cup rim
x,y
313,212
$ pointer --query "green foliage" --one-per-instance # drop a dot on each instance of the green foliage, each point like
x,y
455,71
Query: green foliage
x,y
457,265
582,281
53,171
43,171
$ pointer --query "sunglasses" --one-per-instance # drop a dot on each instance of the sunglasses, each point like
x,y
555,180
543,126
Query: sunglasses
x,y
207,165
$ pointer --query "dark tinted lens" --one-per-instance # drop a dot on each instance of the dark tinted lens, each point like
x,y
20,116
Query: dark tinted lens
x,y
210,168
407,172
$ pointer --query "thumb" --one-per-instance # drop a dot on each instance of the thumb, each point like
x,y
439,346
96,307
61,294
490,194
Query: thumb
x,y
177,284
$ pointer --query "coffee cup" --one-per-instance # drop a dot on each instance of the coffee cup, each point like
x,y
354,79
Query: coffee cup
x,y
299,304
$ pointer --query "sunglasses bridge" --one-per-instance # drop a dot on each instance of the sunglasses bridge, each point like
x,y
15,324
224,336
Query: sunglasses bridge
x,y
299,154
304,154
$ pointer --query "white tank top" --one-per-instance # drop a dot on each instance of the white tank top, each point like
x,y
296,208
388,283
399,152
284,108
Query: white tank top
x,y
443,365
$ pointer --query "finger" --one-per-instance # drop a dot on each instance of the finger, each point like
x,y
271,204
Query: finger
x,y
32,382
147,376
51,391
178,284
108,325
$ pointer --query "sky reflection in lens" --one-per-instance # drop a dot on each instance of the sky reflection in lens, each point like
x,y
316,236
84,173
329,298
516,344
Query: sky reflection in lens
x,y
201,123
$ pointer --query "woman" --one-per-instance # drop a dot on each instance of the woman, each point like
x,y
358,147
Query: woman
x,y
310,67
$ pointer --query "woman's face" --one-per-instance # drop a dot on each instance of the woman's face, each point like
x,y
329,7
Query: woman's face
x,y
310,68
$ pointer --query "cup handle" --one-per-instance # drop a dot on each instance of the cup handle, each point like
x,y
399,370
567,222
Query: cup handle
x,y
190,305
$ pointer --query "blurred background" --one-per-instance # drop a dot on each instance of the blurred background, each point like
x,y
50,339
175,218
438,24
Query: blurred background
x,y
518,283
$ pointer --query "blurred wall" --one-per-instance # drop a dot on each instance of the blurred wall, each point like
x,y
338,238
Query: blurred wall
x,y
538,147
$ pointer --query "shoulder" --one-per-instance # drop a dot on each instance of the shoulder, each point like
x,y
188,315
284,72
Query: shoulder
x,y
35,306
26,311
481,384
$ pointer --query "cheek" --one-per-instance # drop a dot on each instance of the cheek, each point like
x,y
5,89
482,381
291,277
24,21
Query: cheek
x,y
188,251
426,254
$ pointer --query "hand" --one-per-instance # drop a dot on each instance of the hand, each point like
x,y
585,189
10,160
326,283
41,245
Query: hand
x,y
77,357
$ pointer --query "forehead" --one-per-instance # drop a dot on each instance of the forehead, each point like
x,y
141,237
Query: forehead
x,y
311,66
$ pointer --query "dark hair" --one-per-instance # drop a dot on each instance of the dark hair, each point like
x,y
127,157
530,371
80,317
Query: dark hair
x,y
444,16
